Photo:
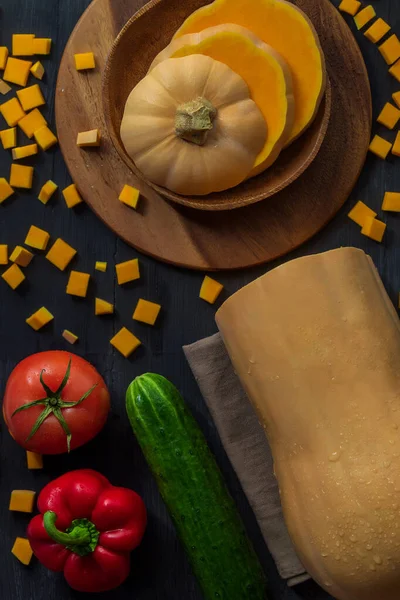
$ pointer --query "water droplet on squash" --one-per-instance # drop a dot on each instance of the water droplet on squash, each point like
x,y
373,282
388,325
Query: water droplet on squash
x,y
395,426
377,559
334,457
353,538
372,567
369,546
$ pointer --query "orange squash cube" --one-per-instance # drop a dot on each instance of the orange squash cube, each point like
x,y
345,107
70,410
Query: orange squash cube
x,y
37,70
380,147
364,16
17,71
41,46
70,337
37,238
127,271
390,49
12,111
78,284
34,461
45,138
377,30
40,318
395,70
24,151
13,276
9,138
31,97
129,196
391,202
61,254
389,116
4,87
350,7
47,191
102,307
22,44
3,57
360,212
71,196
21,256
5,190
22,501
22,550
374,229
210,289
146,312
3,254
84,61
125,342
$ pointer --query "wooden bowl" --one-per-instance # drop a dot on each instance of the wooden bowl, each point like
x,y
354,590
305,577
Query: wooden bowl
x,y
142,38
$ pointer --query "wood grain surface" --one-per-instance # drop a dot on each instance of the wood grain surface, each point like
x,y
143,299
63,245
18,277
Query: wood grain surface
x,y
122,74
230,239
160,569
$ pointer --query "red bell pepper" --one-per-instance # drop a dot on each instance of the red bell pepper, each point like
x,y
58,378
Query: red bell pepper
x,y
87,528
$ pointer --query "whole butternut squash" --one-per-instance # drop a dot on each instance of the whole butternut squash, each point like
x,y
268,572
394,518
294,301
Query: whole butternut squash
x,y
289,31
316,344
191,126
260,66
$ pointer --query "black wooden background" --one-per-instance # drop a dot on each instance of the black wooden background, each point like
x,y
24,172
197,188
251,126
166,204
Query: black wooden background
x,y
159,568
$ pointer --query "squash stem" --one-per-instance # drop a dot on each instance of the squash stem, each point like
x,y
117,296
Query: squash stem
x,y
194,120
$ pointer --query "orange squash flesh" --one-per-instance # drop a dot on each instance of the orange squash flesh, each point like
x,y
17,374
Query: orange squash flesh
x,y
289,31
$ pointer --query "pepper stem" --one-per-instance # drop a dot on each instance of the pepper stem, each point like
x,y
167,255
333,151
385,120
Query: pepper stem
x,y
81,538
194,120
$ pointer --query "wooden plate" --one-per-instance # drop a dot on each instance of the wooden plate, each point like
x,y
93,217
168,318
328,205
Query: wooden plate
x,y
128,62
219,240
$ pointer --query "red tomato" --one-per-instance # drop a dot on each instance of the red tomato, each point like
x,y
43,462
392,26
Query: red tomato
x,y
79,423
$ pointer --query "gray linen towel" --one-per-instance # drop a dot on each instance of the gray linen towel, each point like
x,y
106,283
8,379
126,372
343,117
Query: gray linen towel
x,y
246,446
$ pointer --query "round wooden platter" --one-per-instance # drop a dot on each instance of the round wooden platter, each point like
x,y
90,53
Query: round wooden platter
x,y
195,239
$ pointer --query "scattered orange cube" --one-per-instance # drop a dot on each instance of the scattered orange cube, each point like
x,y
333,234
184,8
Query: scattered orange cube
x,y
395,96
391,202
3,57
24,151
78,284
390,49
47,191
4,87
396,145
37,238
17,71
127,271
61,254
5,190
45,138
41,46
21,256
88,138
22,501
395,70
100,266
146,312
32,122
13,276
12,111
84,61
9,138
40,318
22,550
3,254
125,342
129,196
374,229
70,337
210,289
71,196
37,70
102,307
350,6
34,461
360,212
31,97
389,116
22,44
380,147
364,16
377,30
21,176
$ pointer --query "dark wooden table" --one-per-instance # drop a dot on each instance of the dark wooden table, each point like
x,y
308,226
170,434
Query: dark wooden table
x,y
160,569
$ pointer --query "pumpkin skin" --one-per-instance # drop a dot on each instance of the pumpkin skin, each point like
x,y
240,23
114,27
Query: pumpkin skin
x,y
232,144
265,72
289,31
316,344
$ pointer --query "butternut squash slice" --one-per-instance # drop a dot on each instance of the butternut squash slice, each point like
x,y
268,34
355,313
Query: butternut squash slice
x,y
289,31
265,72
316,344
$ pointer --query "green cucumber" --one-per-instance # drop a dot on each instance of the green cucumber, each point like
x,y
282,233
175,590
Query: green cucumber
x,y
194,492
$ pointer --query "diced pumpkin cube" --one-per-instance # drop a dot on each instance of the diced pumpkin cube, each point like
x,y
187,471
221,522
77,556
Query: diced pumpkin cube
x,y
391,202
4,87
24,151
17,71
210,289
146,312
5,190
34,461
40,318
88,138
21,256
380,147
21,176
60,254
127,271
374,229
78,284
37,238
70,337
3,254
12,111
396,145
364,16
71,196
3,57
129,196
390,49
84,61
9,138
45,138
41,46
47,191
102,307
22,44
350,7
22,550
125,342
31,97
395,96
360,212
395,70
32,122
22,501
100,266
13,276
389,116
37,70
377,30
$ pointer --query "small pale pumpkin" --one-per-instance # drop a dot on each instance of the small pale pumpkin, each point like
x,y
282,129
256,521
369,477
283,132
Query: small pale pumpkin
x,y
191,126
263,69
289,31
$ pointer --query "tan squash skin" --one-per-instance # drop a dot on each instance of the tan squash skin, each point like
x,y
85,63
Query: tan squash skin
x,y
316,344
